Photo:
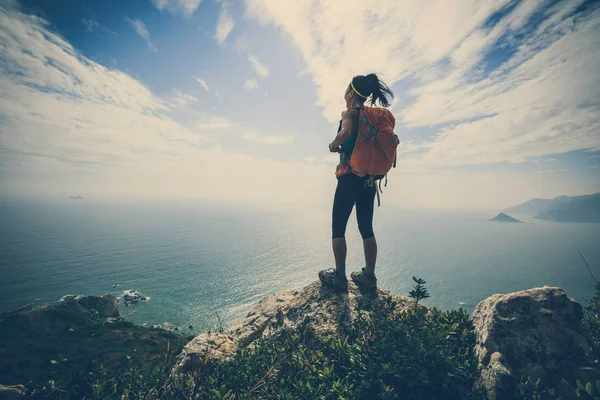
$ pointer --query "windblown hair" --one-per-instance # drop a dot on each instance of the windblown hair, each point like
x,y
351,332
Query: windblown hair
x,y
371,86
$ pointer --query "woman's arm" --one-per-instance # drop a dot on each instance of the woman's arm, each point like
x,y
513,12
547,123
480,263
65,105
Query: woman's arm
x,y
346,131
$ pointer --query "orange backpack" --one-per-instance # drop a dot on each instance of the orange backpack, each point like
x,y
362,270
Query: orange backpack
x,y
374,152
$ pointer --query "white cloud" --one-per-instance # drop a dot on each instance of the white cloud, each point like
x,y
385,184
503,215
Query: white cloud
x,y
219,95
341,38
202,82
219,127
225,24
261,69
181,101
187,7
215,124
546,104
140,28
251,84
70,125
543,100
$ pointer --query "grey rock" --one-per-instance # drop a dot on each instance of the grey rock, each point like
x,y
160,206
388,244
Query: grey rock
x,y
314,309
213,346
535,332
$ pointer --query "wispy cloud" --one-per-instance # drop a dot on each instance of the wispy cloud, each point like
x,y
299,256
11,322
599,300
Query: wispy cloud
x,y
342,38
266,139
71,125
242,43
251,84
202,82
185,7
214,124
221,126
90,24
140,28
220,95
181,101
261,69
225,24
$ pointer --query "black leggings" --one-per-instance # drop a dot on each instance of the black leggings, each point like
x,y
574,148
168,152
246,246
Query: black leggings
x,y
351,189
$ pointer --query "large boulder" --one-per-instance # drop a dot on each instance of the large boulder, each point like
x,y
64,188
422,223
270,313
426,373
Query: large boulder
x,y
314,309
535,332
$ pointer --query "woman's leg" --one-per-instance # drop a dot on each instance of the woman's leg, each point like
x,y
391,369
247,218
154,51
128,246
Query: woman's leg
x,y
364,216
343,202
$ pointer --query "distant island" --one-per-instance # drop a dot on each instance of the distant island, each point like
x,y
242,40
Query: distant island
x,y
504,218
76,197
561,209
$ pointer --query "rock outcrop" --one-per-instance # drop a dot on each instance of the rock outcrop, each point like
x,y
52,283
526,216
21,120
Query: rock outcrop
x,y
72,336
105,306
132,297
313,309
535,332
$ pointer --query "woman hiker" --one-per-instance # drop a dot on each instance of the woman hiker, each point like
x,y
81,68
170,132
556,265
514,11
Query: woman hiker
x,y
355,185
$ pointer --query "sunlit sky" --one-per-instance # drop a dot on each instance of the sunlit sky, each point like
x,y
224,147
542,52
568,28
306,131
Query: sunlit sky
x,y
496,102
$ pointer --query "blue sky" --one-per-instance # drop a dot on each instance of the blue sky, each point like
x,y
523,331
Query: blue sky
x,y
496,101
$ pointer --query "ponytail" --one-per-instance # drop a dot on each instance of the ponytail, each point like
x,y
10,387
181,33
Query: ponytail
x,y
379,91
372,86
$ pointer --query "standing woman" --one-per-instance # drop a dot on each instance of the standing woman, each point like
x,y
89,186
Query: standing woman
x,y
356,186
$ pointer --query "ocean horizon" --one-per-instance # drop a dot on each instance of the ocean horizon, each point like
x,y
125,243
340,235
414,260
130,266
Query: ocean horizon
x,y
203,265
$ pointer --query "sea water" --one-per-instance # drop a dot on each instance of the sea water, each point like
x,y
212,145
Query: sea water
x,y
205,266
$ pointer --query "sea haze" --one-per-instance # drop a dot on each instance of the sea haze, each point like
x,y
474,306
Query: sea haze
x,y
201,263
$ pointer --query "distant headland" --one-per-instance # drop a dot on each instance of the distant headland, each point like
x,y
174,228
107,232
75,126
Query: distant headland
x,y
561,209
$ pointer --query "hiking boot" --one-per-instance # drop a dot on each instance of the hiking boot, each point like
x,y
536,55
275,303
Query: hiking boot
x,y
330,277
364,279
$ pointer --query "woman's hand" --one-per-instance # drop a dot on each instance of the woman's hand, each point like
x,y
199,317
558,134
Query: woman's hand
x,y
333,148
